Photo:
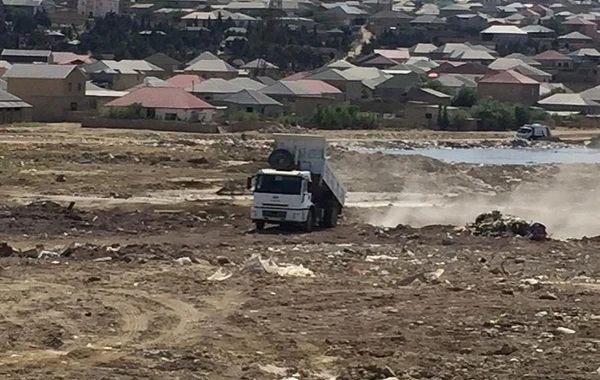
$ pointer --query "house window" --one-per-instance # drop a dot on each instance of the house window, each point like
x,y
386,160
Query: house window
x,y
70,87
73,104
79,87
249,109
170,116
151,113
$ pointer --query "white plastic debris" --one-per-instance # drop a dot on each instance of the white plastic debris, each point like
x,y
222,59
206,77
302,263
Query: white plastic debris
x,y
564,330
433,276
184,261
46,254
257,265
220,275
374,258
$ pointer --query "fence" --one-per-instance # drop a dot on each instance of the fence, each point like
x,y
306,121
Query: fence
x,y
154,125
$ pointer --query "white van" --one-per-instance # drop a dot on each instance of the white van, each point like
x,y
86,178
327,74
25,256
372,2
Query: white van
x,y
534,131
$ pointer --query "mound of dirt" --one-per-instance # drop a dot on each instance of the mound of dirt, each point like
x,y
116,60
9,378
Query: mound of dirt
x,y
496,224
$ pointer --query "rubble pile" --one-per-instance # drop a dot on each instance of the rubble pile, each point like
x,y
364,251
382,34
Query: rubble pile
x,y
496,224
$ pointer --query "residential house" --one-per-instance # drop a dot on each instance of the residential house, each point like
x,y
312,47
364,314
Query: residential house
x,y
13,109
342,14
524,58
299,98
394,86
215,90
470,68
97,96
388,19
539,32
575,40
502,64
26,56
322,87
455,9
384,58
504,34
585,55
339,64
69,58
253,101
122,75
151,82
97,8
53,90
450,50
510,86
207,65
429,22
421,50
570,102
247,83
478,56
250,8
168,64
591,94
553,61
185,80
260,67
167,103
455,81
429,96
352,87
581,25
197,19
467,22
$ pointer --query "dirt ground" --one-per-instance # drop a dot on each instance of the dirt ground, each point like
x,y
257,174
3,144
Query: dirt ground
x,y
97,289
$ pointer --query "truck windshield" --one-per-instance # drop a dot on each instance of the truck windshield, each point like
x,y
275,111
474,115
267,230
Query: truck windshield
x,y
524,130
278,184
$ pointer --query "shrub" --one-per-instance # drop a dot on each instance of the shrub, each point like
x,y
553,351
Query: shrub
x,y
343,116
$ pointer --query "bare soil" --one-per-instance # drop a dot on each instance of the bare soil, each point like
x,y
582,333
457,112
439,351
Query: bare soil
x,y
115,304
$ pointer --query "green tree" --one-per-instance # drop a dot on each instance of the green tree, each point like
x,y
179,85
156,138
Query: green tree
x,y
522,115
466,97
459,118
495,115
438,86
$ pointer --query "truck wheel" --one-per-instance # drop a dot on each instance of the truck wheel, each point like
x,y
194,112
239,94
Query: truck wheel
x,y
331,217
260,225
308,225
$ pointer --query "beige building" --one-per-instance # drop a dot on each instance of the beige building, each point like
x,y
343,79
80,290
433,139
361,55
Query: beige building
x,y
510,86
53,90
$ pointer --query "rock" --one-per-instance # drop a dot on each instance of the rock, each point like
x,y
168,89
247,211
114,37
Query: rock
x,y
222,260
183,261
433,277
47,254
60,178
565,331
5,250
198,161
549,296
506,349
93,279
67,250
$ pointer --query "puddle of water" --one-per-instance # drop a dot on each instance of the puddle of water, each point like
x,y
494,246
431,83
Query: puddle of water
x,y
506,156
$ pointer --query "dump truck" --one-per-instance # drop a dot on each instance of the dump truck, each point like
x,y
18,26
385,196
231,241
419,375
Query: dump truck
x,y
299,187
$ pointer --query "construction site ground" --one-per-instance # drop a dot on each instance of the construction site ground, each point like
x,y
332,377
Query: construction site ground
x,y
95,281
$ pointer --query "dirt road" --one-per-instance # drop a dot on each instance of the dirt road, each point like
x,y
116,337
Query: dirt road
x,y
105,297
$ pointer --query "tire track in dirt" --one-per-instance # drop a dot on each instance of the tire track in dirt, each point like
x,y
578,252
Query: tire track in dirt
x,y
133,323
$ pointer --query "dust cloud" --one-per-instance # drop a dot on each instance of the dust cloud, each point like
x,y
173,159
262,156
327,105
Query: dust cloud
x,y
566,202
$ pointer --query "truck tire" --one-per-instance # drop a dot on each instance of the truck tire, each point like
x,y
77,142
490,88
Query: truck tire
x,y
331,217
281,159
260,225
309,224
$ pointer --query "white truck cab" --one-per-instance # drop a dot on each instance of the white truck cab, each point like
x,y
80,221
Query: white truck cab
x,y
533,131
299,188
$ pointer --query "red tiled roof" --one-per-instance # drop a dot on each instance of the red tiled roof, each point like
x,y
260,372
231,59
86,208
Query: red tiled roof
x,y
578,21
550,55
319,85
185,80
161,97
508,77
69,58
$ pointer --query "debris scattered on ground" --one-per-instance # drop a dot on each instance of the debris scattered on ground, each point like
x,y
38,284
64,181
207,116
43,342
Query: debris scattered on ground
x,y
496,224
198,161
257,265
425,277
232,187
45,254
60,178
220,275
